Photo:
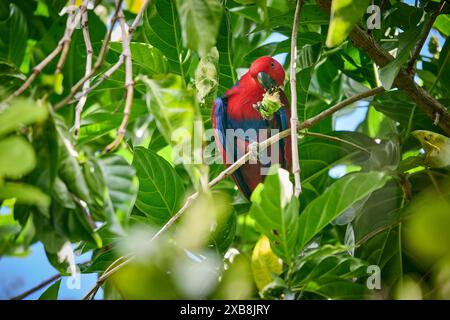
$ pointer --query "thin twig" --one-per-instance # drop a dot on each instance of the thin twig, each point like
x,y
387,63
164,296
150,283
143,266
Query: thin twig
x,y
113,68
70,26
89,55
37,288
228,172
425,33
71,23
334,139
98,63
129,85
294,118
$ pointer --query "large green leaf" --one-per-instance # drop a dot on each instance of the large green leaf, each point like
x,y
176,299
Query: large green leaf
x,y
322,267
20,113
308,57
377,234
344,15
318,155
227,72
337,199
24,194
275,210
407,41
51,293
146,59
16,157
10,78
99,120
176,111
399,107
162,30
160,188
200,21
13,38
121,182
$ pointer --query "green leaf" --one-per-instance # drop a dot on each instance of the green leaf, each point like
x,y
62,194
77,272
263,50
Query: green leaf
x,y
322,267
442,24
13,38
176,111
227,72
399,107
146,59
120,192
17,157
100,120
71,173
309,56
338,198
356,64
443,75
275,211
24,194
200,21
52,292
318,155
344,15
20,113
10,78
162,30
377,233
160,188
407,41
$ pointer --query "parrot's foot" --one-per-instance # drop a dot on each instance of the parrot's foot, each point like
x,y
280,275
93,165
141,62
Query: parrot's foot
x,y
270,104
253,148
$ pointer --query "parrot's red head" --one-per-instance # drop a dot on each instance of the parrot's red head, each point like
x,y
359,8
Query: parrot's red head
x,y
268,72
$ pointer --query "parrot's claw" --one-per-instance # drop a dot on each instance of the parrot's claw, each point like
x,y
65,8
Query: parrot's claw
x,y
253,149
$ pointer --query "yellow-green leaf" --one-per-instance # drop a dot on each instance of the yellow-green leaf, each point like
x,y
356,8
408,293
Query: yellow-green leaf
x,y
265,264
436,146
344,15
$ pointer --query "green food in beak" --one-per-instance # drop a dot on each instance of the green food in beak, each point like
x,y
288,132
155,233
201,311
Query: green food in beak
x,y
266,81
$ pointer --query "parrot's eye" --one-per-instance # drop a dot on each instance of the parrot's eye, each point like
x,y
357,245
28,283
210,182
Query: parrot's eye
x,y
272,65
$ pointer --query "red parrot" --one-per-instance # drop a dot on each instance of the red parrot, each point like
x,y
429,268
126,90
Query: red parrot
x,y
236,112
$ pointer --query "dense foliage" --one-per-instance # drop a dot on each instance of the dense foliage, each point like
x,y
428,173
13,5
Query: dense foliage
x,y
386,210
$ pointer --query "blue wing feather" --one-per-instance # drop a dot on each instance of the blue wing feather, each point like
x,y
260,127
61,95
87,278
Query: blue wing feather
x,y
222,124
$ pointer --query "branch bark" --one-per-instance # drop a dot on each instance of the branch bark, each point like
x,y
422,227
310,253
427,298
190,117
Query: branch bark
x,y
37,288
404,81
122,261
72,21
294,118
89,53
129,85
98,63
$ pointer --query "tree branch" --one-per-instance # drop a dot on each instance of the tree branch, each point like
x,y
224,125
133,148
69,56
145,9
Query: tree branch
x,y
129,85
98,63
404,81
122,261
294,118
37,288
113,68
412,63
89,54
72,21
70,26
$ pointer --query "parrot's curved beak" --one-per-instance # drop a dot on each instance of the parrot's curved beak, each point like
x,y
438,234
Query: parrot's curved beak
x,y
266,81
